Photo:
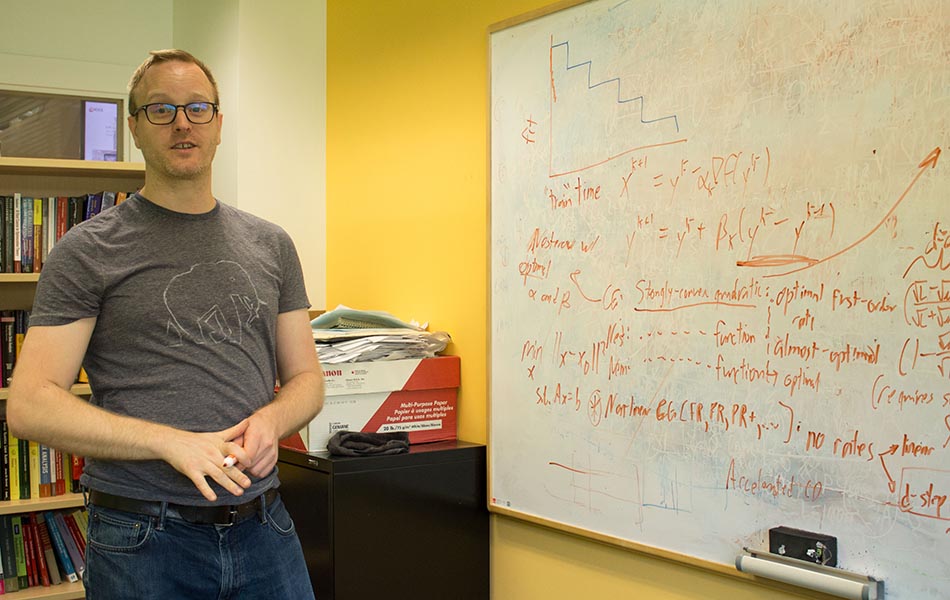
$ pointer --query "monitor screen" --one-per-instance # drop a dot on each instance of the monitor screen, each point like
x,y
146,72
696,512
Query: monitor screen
x,y
100,127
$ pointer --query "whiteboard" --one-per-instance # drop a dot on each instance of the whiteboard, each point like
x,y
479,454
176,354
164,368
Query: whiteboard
x,y
720,278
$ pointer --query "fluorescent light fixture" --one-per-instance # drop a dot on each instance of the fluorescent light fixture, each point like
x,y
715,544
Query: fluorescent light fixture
x,y
811,576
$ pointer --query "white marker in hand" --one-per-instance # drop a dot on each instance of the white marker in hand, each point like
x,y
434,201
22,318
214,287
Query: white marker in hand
x,y
229,461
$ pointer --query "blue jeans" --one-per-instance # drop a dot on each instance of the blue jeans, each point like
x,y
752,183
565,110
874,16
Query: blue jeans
x,y
131,556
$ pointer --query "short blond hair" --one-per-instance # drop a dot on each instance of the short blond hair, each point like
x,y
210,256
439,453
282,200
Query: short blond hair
x,y
162,56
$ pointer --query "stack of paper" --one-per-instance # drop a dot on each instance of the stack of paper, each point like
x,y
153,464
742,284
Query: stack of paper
x,y
347,335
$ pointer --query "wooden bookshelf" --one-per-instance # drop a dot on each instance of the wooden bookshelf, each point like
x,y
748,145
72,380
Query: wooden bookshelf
x,y
62,177
63,591
60,167
53,177
18,290
15,507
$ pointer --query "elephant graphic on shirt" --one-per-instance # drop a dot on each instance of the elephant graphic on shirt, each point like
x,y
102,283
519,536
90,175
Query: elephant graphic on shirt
x,y
211,303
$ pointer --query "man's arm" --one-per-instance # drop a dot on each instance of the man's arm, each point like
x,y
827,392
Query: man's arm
x,y
40,408
300,397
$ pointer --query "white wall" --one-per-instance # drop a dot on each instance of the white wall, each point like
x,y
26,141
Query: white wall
x,y
269,59
209,30
270,62
282,138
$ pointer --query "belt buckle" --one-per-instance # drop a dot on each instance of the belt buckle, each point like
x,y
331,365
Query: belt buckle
x,y
232,515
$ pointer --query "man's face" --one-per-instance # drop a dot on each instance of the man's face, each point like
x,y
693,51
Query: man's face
x,y
181,149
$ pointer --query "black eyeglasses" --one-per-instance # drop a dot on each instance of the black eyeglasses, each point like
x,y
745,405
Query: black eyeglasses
x,y
161,113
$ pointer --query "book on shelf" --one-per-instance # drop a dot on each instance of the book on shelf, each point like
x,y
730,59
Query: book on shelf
x,y
13,469
37,234
49,225
17,235
59,547
8,343
6,234
26,234
59,467
8,554
49,472
4,461
24,453
108,200
45,485
62,216
28,556
70,517
35,473
93,205
47,545
31,225
77,463
22,578
39,557
82,519
72,548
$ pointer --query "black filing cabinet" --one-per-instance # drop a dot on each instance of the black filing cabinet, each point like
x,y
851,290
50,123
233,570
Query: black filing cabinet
x,y
412,526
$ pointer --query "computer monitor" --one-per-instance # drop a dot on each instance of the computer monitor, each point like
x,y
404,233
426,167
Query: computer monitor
x,y
100,130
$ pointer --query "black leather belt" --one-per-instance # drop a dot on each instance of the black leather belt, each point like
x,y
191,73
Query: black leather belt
x,y
203,515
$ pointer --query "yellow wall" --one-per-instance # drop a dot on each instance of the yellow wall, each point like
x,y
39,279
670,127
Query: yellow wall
x,y
407,232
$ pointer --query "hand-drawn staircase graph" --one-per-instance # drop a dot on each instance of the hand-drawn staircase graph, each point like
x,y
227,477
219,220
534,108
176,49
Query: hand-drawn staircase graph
x,y
720,278
594,121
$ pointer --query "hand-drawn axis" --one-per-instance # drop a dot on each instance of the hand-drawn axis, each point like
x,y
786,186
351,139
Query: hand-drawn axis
x,y
620,100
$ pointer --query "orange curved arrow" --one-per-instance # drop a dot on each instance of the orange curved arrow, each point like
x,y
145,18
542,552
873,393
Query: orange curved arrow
x,y
769,261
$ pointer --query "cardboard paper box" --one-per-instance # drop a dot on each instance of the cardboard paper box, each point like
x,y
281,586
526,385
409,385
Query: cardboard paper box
x,y
419,396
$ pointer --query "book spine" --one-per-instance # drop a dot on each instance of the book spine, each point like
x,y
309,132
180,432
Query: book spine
x,y
3,238
24,468
20,319
11,583
28,557
78,538
14,470
82,519
45,486
47,545
38,244
90,207
8,339
17,235
62,216
22,578
26,235
108,200
42,569
7,234
49,225
5,460
79,564
59,547
77,465
35,474
58,461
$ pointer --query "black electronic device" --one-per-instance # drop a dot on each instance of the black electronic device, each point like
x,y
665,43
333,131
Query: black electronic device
x,y
813,547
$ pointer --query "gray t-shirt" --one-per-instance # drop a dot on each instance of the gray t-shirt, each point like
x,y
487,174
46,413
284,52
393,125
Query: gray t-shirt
x,y
187,310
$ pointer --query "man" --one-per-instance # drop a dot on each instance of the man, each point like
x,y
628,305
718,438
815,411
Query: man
x,y
184,312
